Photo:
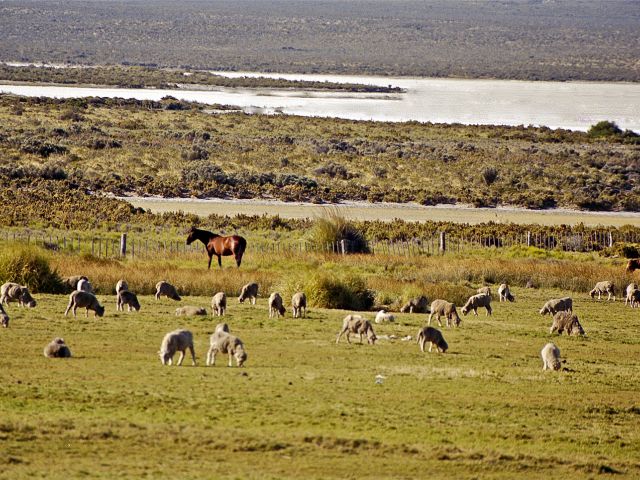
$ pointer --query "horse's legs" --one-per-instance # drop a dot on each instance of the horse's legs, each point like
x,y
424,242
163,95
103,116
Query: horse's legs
x,y
238,259
219,261
210,258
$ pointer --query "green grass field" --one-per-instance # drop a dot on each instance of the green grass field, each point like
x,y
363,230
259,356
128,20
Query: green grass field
x,y
306,407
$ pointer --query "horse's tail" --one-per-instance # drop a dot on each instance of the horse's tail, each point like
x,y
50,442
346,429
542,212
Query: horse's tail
x,y
242,242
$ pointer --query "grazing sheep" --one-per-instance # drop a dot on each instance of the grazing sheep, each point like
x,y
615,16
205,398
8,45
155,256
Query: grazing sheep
x,y
475,302
604,287
249,291
568,322
434,337
57,349
87,300
176,341
416,305
276,308
125,297
12,292
189,311
121,285
72,282
635,299
168,290
383,316
556,305
221,341
633,265
85,286
299,305
442,307
484,291
550,357
4,318
504,293
357,325
629,292
219,304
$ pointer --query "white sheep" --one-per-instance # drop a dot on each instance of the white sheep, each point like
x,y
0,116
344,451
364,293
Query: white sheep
x,y
358,325
4,318
121,285
168,290
504,294
299,305
550,354
383,316
79,299
84,285
125,297
189,310
604,287
72,282
475,302
12,292
176,341
555,305
221,341
249,291
57,349
629,293
219,303
441,308
416,305
276,308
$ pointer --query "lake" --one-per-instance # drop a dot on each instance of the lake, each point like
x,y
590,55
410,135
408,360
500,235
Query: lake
x,y
571,105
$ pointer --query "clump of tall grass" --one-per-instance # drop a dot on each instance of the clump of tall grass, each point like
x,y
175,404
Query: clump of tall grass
x,y
324,290
29,265
331,228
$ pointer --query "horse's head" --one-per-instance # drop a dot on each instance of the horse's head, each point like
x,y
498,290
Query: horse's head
x,y
192,236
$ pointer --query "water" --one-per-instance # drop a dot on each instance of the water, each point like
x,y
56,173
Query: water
x,y
571,105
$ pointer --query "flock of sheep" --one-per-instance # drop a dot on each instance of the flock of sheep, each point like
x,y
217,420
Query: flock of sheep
x,y
222,341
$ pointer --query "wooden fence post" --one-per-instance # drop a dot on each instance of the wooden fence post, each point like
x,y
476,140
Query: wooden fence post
x,y
443,242
123,245
343,246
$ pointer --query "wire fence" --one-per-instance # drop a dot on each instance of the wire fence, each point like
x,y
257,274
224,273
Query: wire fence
x,y
133,245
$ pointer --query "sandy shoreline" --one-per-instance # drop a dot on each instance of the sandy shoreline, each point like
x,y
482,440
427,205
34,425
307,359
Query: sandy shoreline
x,y
385,211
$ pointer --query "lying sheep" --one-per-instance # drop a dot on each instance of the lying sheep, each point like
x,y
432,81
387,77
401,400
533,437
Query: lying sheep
x,y
221,341
125,297
12,292
629,292
71,283
276,308
4,318
604,287
550,357
383,316
416,305
86,300
556,305
168,290
299,305
189,310
176,341
475,302
504,294
434,337
121,285
358,325
442,307
219,304
568,322
249,291
57,349
85,286
484,291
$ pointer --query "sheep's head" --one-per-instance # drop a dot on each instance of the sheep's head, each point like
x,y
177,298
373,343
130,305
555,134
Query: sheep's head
x,y
510,297
282,310
455,318
135,304
26,298
544,311
99,310
175,296
405,308
575,328
592,293
465,310
222,327
165,356
241,357
443,346
371,336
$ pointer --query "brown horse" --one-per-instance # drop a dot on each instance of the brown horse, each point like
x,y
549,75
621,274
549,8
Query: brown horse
x,y
218,245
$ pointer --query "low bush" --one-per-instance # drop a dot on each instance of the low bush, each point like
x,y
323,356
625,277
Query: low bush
x,y
29,266
323,290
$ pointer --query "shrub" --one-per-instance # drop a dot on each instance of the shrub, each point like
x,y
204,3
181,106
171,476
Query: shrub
x,y
604,128
29,266
333,170
489,175
323,290
332,228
